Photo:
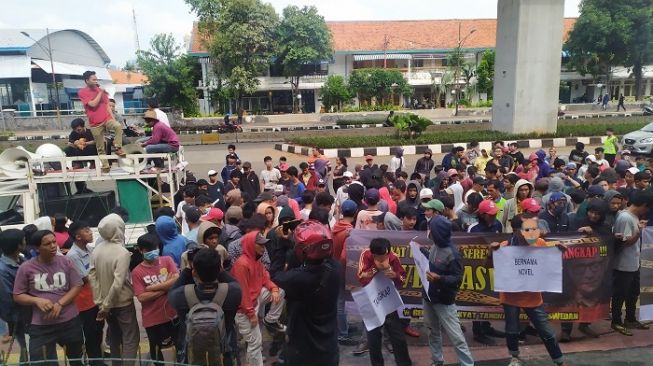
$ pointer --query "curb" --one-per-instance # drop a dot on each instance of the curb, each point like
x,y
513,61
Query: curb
x,y
357,152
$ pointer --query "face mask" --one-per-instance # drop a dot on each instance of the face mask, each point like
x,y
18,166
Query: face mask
x,y
151,255
206,211
559,210
531,241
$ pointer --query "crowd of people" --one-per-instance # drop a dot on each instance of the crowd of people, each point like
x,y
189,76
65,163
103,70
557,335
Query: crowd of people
x,y
244,251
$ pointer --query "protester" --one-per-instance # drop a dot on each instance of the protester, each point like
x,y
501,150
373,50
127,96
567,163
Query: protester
x,y
425,164
445,276
49,283
80,141
113,290
82,236
12,244
380,259
163,139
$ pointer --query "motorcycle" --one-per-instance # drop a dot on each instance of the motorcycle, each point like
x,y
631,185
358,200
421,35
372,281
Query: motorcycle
x,y
648,110
229,126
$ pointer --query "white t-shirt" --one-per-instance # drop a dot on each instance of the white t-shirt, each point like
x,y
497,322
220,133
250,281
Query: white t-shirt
x,y
273,175
162,116
304,213
627,259
181,214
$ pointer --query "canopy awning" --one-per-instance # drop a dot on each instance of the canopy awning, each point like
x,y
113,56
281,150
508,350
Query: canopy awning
x,y
15,66
62,68
380,56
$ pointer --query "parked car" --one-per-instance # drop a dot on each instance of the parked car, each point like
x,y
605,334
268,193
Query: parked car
x,y
640,141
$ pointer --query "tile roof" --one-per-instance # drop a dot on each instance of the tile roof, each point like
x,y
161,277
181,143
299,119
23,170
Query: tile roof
x,y
403,35
128,77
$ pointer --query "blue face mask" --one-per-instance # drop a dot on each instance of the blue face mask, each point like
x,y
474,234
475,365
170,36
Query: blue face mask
x,y
151,256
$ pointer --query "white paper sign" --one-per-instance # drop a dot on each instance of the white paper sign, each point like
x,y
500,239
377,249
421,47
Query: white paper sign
x,y
376,300
523,268
422,265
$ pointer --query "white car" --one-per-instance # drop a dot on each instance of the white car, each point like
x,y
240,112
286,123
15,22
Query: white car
x,y
640,141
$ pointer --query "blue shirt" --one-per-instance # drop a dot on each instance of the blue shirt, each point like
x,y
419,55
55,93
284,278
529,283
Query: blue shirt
x,y
482,227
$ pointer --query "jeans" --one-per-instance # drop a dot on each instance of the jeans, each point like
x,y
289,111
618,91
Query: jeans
x,y
92,335
252,335
160,148
343,326
44,339
125,335
397,338
160,336
481,328
440,316
540,320
98,135
625,289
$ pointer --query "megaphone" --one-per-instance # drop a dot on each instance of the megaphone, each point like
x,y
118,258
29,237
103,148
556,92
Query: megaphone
x,y
14,161
132,165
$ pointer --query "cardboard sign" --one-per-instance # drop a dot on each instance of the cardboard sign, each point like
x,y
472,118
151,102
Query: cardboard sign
x,y
525,268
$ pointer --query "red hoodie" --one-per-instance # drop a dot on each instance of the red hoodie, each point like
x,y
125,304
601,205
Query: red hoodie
x,y
340,233
367,268
251,275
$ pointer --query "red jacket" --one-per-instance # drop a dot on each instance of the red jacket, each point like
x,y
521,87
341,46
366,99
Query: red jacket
x,y
341,232
367,268
311,183
251,275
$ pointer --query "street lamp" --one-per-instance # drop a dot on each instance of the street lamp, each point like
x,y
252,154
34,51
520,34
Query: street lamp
x,y
458,57
54,78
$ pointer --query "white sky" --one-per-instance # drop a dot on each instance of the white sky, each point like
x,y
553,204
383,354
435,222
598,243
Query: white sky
x,y
110,23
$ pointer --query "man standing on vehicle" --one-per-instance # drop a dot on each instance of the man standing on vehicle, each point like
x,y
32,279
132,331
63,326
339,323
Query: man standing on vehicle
x,y
100,117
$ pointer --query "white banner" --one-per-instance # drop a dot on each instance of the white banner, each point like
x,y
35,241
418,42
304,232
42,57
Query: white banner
x,y
421,264
376,300
524,268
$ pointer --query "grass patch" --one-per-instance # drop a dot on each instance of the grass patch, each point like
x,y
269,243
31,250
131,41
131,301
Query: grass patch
x,y
564,130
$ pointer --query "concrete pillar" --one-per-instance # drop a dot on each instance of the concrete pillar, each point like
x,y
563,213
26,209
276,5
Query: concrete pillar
x,y
527,69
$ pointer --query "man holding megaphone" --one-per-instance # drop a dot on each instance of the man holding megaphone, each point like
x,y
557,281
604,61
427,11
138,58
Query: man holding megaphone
x,y
100,117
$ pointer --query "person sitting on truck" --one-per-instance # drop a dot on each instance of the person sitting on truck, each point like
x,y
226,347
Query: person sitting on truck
x,y
163,139
80,141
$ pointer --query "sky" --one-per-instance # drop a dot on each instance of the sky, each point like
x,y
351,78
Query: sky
x,y
111,24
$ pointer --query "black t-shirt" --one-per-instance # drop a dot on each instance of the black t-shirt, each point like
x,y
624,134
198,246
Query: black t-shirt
x,y
74,136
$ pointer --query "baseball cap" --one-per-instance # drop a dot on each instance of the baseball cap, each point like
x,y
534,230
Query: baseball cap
x,y
379,218
348,174
214,214
321,182
369,157
260,239
372,194
434,205
571,165
595,190
451,172
264,196
150,115
531,205
212,172
348,207
488,207
234,212
591,158
480,180
425,193
283,167
557,196
633,170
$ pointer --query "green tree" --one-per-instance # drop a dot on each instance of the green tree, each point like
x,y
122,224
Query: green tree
x,y
243,44
379,84
612,33
485,74
130,66
171,74
304,39
335,92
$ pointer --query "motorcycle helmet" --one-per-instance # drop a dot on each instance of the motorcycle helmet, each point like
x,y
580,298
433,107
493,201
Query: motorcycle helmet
x,y
313,241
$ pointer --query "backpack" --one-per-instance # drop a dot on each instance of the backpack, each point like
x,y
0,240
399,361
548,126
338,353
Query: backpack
x,y
205,327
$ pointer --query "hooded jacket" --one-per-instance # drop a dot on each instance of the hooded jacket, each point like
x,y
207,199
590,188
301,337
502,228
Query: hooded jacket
x,y
201,230
109,269
340,233
609,216
424,166
445,260
278,247
556,184
251,275
385,196
409,202
356,192
512,207
544,170
173,243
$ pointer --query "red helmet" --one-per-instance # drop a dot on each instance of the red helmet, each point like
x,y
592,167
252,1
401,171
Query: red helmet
x,y
313,241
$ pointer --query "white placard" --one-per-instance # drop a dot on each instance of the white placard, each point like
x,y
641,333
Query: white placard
x,y
421,264
524,268
376,300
